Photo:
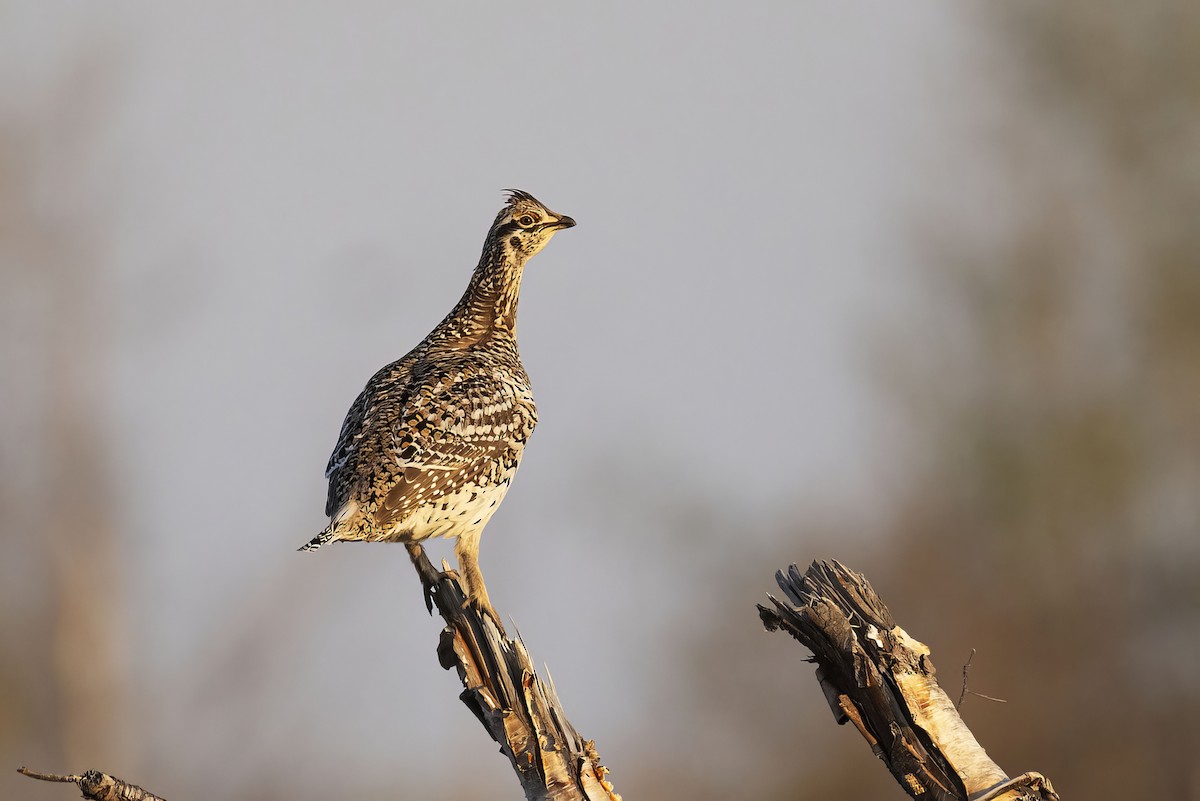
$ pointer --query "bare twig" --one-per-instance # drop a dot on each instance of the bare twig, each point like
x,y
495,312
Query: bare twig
x,y
48,777
520,711
987,697
966,670
965,692
881,679
96,785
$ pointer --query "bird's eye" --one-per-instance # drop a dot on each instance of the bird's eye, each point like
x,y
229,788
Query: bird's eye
x,y
525,220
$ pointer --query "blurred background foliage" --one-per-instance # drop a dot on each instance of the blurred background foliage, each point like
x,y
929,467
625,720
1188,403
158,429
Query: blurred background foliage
x,y
1041,377
1050,513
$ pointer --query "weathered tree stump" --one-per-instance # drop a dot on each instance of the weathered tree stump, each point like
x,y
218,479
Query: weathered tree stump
x,y
500,686
96,785
520,711
877,677
872,672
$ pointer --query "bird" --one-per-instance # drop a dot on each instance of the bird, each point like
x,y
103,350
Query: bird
x,y
431,445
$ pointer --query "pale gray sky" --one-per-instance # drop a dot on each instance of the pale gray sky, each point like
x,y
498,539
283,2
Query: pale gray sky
x,y
292,194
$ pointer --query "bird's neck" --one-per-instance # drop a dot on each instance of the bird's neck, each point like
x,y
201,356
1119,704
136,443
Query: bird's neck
x,y
489,306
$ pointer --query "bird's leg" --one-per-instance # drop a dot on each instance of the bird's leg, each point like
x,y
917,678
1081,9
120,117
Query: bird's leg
x,y
417,554
467,552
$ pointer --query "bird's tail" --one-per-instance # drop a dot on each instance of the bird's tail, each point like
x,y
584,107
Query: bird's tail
x,y
319,540
337,525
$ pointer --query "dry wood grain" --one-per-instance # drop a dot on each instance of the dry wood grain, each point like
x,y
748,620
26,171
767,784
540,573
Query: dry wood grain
x,y
96,785
520,711
500,686
877,677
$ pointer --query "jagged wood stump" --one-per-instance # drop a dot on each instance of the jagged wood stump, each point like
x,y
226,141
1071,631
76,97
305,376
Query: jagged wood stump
x,y
877,677
500,686
520,711
96,785
872,672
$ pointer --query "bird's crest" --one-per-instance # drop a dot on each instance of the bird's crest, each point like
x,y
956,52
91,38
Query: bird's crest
x,y
517,195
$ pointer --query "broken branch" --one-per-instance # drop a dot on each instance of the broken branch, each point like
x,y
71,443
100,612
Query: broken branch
x,y
520,711
877,676
96,785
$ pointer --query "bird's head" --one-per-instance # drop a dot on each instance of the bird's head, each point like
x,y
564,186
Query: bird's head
x,y
524,226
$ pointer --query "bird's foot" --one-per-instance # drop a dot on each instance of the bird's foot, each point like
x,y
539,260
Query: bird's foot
x,y
428,582
482,606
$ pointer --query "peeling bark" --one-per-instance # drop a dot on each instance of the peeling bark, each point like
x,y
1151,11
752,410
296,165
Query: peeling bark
x,y
877,677
873,674
520,711
500,686
96,785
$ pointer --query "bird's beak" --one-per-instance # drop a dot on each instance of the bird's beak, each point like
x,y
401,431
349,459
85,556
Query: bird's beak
x,y
564,222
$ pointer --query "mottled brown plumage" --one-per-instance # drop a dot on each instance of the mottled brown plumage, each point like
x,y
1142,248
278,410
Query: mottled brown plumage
x,y
432,443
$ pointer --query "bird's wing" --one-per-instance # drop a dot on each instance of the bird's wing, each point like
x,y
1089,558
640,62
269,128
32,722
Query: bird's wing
x,y
381,399
453,433
447,468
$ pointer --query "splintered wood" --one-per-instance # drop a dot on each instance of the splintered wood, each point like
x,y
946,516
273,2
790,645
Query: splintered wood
x,y
500,686
882,680
520,711
96,785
